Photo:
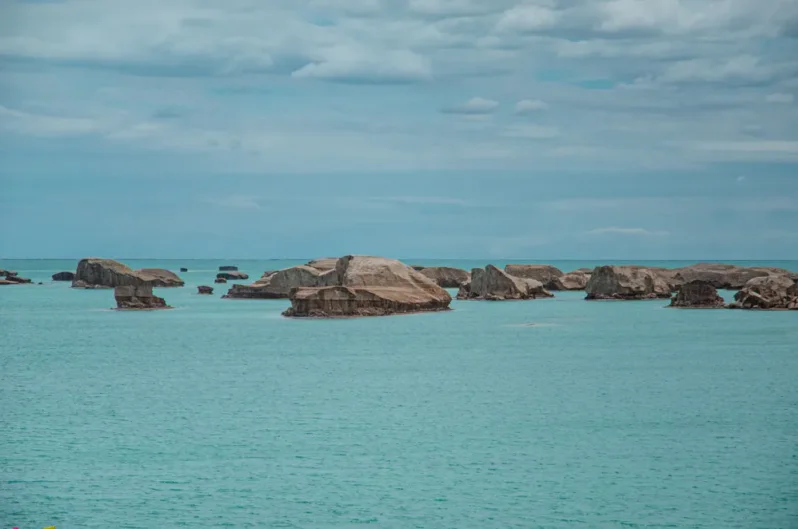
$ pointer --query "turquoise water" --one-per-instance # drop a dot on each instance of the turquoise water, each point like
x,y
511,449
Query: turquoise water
x,y
221,413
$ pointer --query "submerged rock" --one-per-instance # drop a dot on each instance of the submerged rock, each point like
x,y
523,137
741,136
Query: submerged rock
x,y
277,285
369,286
626,283
138,297
64,276
697,295
220,280
773,292
232,276
493,284
228,268
107,273
202,289
445,276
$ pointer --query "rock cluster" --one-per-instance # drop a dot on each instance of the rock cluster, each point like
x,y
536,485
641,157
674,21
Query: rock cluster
x,y
626,283
772,292
138,297
493,284
552,277
202,289
64,276
368,286
721,276
697,295
232,276
276,285
445,276
107,273
9,277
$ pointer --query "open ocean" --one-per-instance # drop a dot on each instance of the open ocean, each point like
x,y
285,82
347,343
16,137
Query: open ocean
x,y
553,413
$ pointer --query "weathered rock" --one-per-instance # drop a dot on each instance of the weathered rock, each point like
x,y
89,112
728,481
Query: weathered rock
x,y
202,289
6,282
277,285
493,284
232,276
627,283
324,264
228,268
722,276
8,273
576,280
184,269
447,277
107,273
772,292
15,279
546,274
369,286
697,295
64,276
220,280
139,297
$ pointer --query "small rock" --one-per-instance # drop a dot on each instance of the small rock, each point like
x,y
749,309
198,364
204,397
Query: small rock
x,y
64,276
204,290
697,295
184,269
232,276
138,298
228,268
220,280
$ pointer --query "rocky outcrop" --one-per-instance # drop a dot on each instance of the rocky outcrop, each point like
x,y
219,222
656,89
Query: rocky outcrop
x,y
64,276
723,276
772,292
139,297
278,285
232,276
9,277
228,268
576,280
368,286
697,295
205,290
446,277
493,284
107,273
324,264
184,269
626,283
546,274
220,280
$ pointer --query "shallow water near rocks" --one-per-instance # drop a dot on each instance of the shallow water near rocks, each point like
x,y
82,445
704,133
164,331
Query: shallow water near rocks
x,y
552,413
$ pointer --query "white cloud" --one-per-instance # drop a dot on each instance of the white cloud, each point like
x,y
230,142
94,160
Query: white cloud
x,y
475,105
779,98
361,66
453,8
742,68
526,106
528,18
636,232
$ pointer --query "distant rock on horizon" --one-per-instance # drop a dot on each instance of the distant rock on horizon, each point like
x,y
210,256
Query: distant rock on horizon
x,y
492,284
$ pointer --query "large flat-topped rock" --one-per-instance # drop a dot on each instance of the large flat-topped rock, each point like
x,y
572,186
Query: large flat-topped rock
x,y
107,273
493,284
626,283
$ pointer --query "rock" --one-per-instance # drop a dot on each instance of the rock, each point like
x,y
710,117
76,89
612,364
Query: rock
x,y
277,285
107,273
772,292
492,284
446,277
228,268
697,295
8,273
64,276
576,280
722,276
6,282
546,274
202,289
184,269
626,282
139,297
368,286
220,280
232,276
324,264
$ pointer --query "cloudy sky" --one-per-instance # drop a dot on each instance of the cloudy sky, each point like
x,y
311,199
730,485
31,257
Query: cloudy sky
x,y
424,128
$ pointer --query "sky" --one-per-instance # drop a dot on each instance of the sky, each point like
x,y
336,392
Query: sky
x,y
559,129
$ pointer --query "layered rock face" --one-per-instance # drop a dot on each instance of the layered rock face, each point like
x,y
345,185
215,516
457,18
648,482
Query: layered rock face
x,y
9,277
205,290
697,295
576,280
493,284
232,276
107,273
446,277
277,285
627,283
546,274
772,292
64,276
369,286
723,276
139,297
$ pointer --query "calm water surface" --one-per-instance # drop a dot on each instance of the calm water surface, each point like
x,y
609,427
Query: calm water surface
x,y
541,414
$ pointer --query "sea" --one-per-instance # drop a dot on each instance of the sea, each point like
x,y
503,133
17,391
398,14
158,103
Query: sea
x,y
555,413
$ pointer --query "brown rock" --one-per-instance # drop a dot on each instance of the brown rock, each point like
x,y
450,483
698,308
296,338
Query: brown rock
x,y
6,282
220,280
447,277
15,279
576,280
277,285
138,297
369,286
232,276
772,292
324,264
546,274
64,276
722,276
158,277
697,295
626,283
107,273
202,289
228,268
493,284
